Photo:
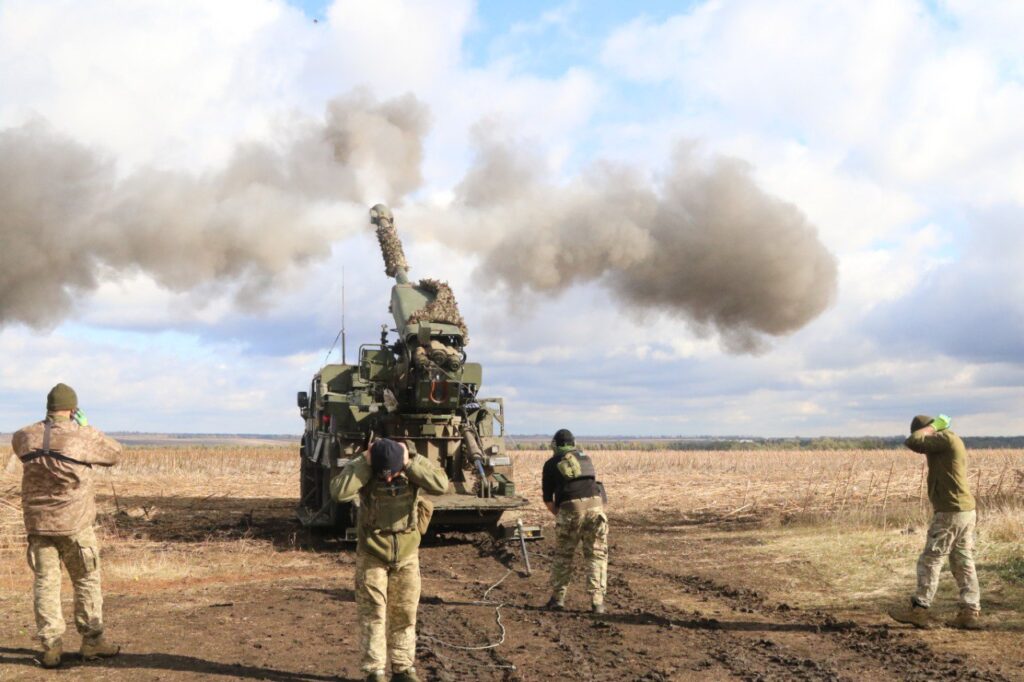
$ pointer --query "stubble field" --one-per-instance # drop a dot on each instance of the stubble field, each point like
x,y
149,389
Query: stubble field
x,y
724,565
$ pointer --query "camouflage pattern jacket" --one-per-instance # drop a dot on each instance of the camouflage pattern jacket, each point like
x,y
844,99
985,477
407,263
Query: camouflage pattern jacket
x,y
57,495
387,521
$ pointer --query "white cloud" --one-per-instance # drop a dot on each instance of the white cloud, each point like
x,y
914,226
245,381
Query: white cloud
x,y
887,84
140,302
395,45
134,382
789,64
173,84
177,85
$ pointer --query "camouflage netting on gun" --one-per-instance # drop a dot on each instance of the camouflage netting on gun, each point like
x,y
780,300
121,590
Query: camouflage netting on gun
x,y
442,309
391,249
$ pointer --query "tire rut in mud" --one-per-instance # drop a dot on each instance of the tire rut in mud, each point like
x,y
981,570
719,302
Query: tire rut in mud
x,y
456,627
540,644
646,636
635,641
763,658
443,625
890,651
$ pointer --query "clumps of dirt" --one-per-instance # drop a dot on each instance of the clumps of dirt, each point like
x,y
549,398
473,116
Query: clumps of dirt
x,y
829,623
742,598
912,660
672,520
765,658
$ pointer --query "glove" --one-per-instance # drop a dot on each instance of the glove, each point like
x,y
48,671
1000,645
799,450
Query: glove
x,y
942,422
79,417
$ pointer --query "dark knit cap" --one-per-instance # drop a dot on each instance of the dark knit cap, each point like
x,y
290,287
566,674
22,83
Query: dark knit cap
x,y
61,397
386,457
564,437
920,421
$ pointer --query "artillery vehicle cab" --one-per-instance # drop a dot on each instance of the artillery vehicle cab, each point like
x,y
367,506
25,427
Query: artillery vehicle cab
x,y
416,386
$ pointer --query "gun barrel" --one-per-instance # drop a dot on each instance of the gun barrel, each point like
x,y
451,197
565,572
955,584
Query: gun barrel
x,y
395,264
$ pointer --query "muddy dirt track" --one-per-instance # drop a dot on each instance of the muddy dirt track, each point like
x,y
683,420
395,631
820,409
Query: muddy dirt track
x,y
665,622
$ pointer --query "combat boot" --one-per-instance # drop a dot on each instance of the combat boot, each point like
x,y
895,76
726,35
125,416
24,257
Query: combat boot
x,y
376,676
98,648
916,615
407,675
50,658
597,607
555,605
967,619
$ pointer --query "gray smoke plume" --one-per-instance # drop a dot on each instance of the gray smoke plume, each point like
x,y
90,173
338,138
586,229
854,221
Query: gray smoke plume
x,y
705,243
67,221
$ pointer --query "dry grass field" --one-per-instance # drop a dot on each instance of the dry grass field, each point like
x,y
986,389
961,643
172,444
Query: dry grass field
x,y
724,565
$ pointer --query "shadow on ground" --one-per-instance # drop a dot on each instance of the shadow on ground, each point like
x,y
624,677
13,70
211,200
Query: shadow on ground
x,y
168,662
174,519
202,519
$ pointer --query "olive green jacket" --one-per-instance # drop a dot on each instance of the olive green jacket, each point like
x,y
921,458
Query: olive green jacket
x,y
386,526
947,469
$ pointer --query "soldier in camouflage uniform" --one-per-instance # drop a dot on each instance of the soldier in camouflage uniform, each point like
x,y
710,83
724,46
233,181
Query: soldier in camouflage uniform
x,y
952,530
574,495
392,517
58,455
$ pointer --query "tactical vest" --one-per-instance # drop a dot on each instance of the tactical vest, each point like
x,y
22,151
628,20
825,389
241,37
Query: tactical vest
x,y
387,525
578,478
576,464
389,508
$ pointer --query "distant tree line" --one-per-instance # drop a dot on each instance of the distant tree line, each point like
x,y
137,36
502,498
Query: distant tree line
x,y
767,444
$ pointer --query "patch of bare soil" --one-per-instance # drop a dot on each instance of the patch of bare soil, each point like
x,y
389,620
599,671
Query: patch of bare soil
x,y
481,616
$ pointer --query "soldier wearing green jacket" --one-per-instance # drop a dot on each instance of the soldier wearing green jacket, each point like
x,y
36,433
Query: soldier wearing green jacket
x,y
952,529
393,515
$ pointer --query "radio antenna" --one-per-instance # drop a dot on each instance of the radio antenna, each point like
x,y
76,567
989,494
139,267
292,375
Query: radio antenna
x,y
343,361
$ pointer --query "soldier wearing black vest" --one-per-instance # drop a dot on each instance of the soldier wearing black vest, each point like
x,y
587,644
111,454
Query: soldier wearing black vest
x,y
574,495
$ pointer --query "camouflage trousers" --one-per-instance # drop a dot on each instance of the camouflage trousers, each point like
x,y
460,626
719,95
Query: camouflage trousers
x,y
386,599
588,528
80,554
951,535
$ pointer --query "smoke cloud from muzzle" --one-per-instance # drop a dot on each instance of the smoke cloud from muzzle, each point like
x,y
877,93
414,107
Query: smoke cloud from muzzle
x,y
67,221
704,243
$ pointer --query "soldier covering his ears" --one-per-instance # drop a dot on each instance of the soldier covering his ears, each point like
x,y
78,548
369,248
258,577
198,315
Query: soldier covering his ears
x,y
952,529
574,495
393,515
58,455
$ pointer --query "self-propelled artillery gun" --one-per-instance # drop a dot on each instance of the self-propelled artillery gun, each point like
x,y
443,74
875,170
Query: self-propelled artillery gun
x,y
417,386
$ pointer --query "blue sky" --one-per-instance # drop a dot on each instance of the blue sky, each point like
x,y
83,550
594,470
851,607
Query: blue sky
x,y
893,127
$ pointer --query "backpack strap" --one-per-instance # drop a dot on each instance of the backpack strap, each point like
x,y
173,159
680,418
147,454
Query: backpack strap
x,y
45,451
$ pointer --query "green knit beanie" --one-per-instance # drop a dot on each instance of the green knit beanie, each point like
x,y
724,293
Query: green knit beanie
x,y
60,398
920,421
